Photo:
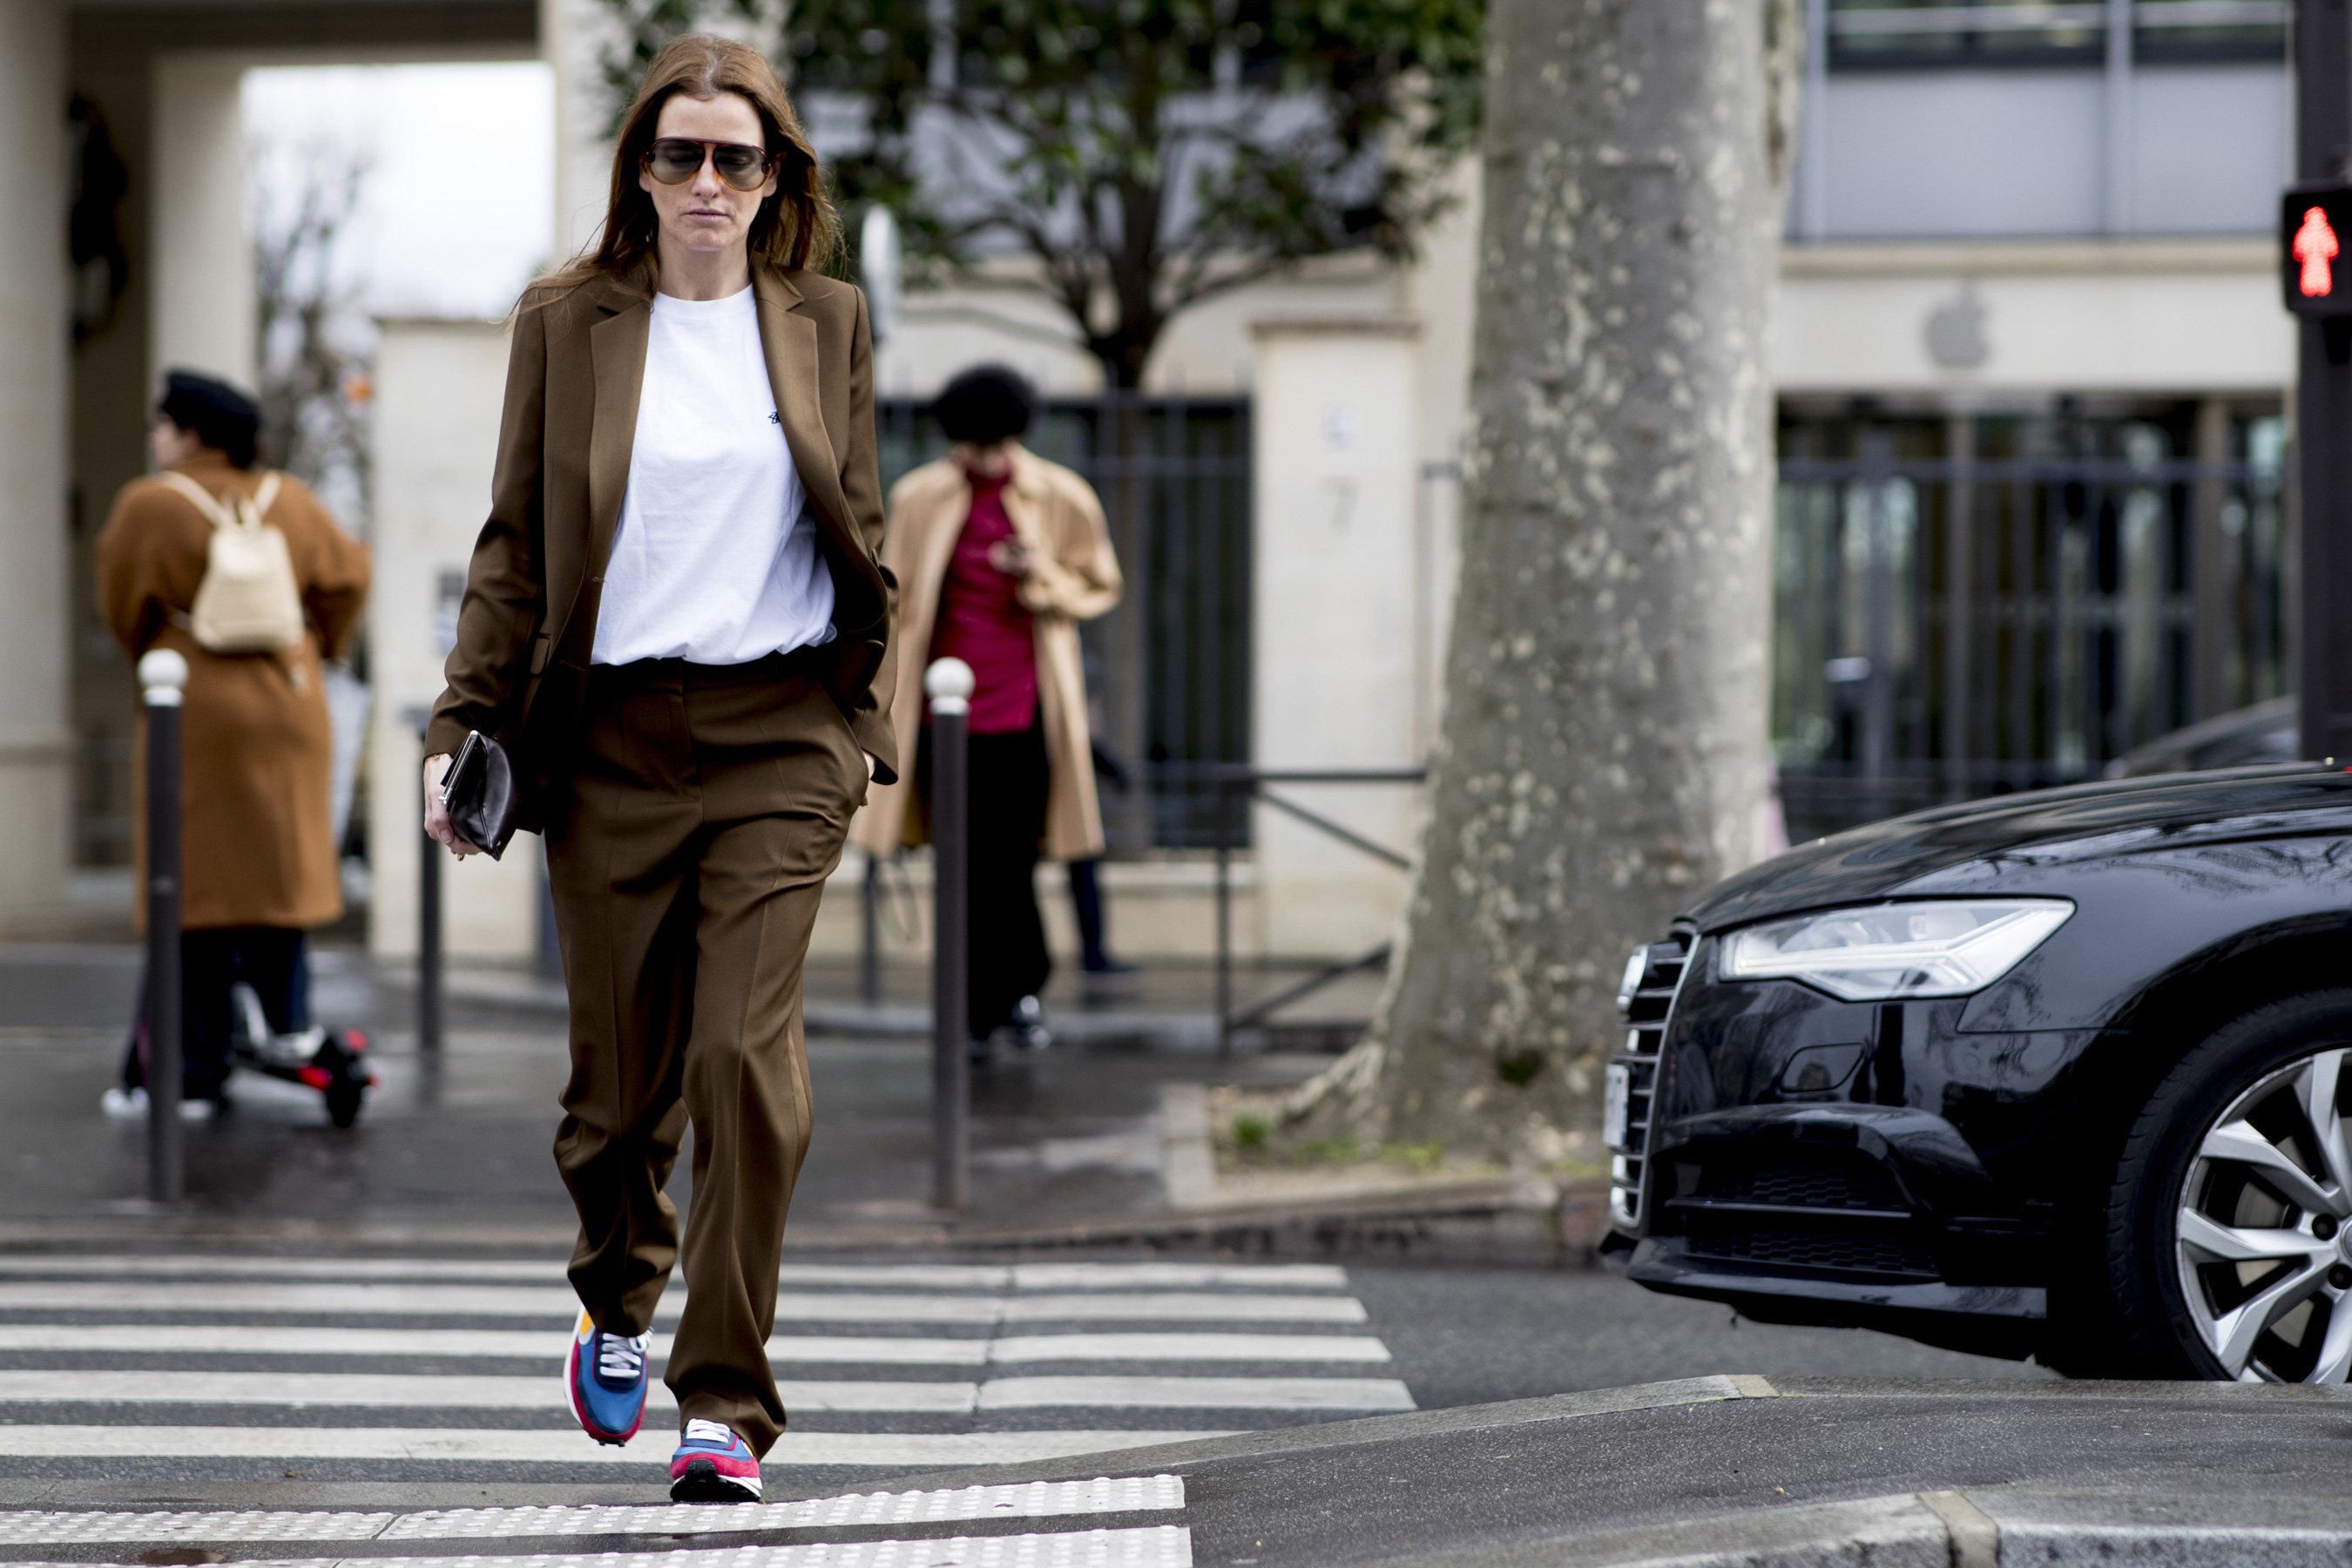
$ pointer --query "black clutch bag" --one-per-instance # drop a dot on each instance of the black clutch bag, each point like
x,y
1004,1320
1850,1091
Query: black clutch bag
x,y
479,789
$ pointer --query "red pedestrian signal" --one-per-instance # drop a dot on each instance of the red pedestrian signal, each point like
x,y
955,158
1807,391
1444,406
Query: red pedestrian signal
x,y
2313,221
2316,247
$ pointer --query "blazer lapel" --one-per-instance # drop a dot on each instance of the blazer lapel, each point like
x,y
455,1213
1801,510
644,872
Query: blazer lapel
x,y
788,341
617,347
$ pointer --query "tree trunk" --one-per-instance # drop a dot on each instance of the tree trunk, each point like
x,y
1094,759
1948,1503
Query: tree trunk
x,y
1601,758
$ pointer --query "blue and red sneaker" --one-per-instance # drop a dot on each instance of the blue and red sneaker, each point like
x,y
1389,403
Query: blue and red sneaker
x,y
713,1465
605,1378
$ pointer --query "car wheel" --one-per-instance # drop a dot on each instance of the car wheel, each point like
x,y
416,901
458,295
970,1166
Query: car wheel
x,y
2228,1220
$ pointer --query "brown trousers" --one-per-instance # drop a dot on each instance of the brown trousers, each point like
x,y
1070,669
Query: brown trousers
x,y
708,805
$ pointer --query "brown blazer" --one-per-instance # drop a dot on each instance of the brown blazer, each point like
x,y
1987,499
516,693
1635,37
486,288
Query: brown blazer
x,y
256,839
527,623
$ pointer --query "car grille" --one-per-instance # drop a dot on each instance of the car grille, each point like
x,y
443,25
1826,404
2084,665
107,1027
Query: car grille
x,y
1861,1252
1858,1185
1663,963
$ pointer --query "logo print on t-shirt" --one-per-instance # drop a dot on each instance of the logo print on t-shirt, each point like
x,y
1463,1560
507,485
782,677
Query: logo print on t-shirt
x,y
771,418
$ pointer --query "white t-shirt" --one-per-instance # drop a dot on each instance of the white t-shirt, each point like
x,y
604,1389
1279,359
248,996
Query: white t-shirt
x,y
716,560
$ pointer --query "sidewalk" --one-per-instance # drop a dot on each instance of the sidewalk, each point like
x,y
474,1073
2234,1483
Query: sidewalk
x,y
1075,1145
1161,1008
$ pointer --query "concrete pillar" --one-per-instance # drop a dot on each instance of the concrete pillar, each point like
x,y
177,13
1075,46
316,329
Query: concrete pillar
x,y
202,302
1338,423
572,38
438,390
35,754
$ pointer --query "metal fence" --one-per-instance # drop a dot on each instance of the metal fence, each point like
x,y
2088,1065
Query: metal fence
x,y
1168,670
1952,627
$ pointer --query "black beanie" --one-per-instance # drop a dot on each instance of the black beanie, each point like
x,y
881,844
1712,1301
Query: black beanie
x,y
217,413
987,403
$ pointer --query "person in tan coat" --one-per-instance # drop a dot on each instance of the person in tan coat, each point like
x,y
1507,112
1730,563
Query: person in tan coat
x,y
259,860
1000,555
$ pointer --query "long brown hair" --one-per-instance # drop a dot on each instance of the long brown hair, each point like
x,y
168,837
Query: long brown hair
x,y
795,228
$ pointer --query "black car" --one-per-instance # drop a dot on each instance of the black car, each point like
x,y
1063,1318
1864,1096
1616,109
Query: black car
x,y
2058,1074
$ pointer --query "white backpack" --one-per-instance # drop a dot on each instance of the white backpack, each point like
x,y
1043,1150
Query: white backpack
x,y
249,602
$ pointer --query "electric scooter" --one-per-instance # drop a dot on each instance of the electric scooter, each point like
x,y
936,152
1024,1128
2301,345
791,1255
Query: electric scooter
x,y
333,1061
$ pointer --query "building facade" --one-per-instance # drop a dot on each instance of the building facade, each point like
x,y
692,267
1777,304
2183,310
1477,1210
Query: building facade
x,y
2031,366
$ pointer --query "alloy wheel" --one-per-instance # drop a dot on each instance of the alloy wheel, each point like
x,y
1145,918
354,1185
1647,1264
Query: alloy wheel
x,y
2263,1233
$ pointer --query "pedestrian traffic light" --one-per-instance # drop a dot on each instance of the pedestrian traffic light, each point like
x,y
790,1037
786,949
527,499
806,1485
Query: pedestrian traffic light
x,y
2316,250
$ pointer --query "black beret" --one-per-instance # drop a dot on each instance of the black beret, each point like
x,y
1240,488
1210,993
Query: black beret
x,y
218,414
200,394
987,403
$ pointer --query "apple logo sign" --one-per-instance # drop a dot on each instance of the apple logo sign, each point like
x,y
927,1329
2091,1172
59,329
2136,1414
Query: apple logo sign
x,y
1956,332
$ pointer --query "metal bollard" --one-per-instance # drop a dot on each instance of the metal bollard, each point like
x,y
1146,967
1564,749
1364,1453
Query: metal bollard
x,y
869,952
428,920
949,682
163,676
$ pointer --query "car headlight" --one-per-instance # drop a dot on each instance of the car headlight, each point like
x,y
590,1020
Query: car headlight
x,y
1884,952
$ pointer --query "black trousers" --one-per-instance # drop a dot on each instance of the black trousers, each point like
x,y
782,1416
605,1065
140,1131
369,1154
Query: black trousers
x,y
273,959
1008,776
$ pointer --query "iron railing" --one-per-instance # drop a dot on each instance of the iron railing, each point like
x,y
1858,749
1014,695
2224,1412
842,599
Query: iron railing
x,y
1950,628
1168,670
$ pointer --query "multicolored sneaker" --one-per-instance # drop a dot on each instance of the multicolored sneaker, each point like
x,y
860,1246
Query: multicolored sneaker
x,y
605,1378
713,1465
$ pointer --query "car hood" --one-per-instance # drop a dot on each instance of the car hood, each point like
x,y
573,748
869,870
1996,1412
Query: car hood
x,y
2120,816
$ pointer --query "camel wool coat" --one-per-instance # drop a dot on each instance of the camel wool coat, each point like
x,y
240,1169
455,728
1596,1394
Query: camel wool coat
x,y
256,751
1055,513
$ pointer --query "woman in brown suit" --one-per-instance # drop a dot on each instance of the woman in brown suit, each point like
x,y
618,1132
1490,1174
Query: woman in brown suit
x,y
258,862
678,623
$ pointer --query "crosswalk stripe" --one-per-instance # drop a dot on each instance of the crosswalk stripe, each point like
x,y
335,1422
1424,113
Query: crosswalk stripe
x,y
1180,1347
559,1304
900,1276
460,1358
297,1390
1170,1308
1143,1546
1196,1276
1034,1500
1197,1393
535,1345
783,1350
483,1446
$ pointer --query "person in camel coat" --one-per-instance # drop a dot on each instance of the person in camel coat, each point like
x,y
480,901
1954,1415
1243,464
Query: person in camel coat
x,y
1000,555
258,859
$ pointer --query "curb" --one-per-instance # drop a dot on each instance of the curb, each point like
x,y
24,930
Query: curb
x,y
1997,1527
1477,1228
1977,1529
1184,1032
1281,1442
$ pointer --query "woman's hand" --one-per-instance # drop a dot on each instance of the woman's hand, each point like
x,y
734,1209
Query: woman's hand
x,y
1011,557
437,810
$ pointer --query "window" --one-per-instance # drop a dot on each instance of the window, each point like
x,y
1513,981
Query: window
x,y
2202,31
1910,34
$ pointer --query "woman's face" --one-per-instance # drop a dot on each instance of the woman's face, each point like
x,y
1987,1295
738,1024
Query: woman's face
x,y
705,213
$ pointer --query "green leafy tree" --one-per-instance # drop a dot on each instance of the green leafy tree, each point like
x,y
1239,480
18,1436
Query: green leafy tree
x,y
1145,154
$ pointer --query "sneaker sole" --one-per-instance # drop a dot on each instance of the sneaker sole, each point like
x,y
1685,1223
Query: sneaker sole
x,y
703,1483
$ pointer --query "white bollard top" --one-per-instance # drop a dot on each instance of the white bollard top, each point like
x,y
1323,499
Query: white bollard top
x,y
948,683
163,675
